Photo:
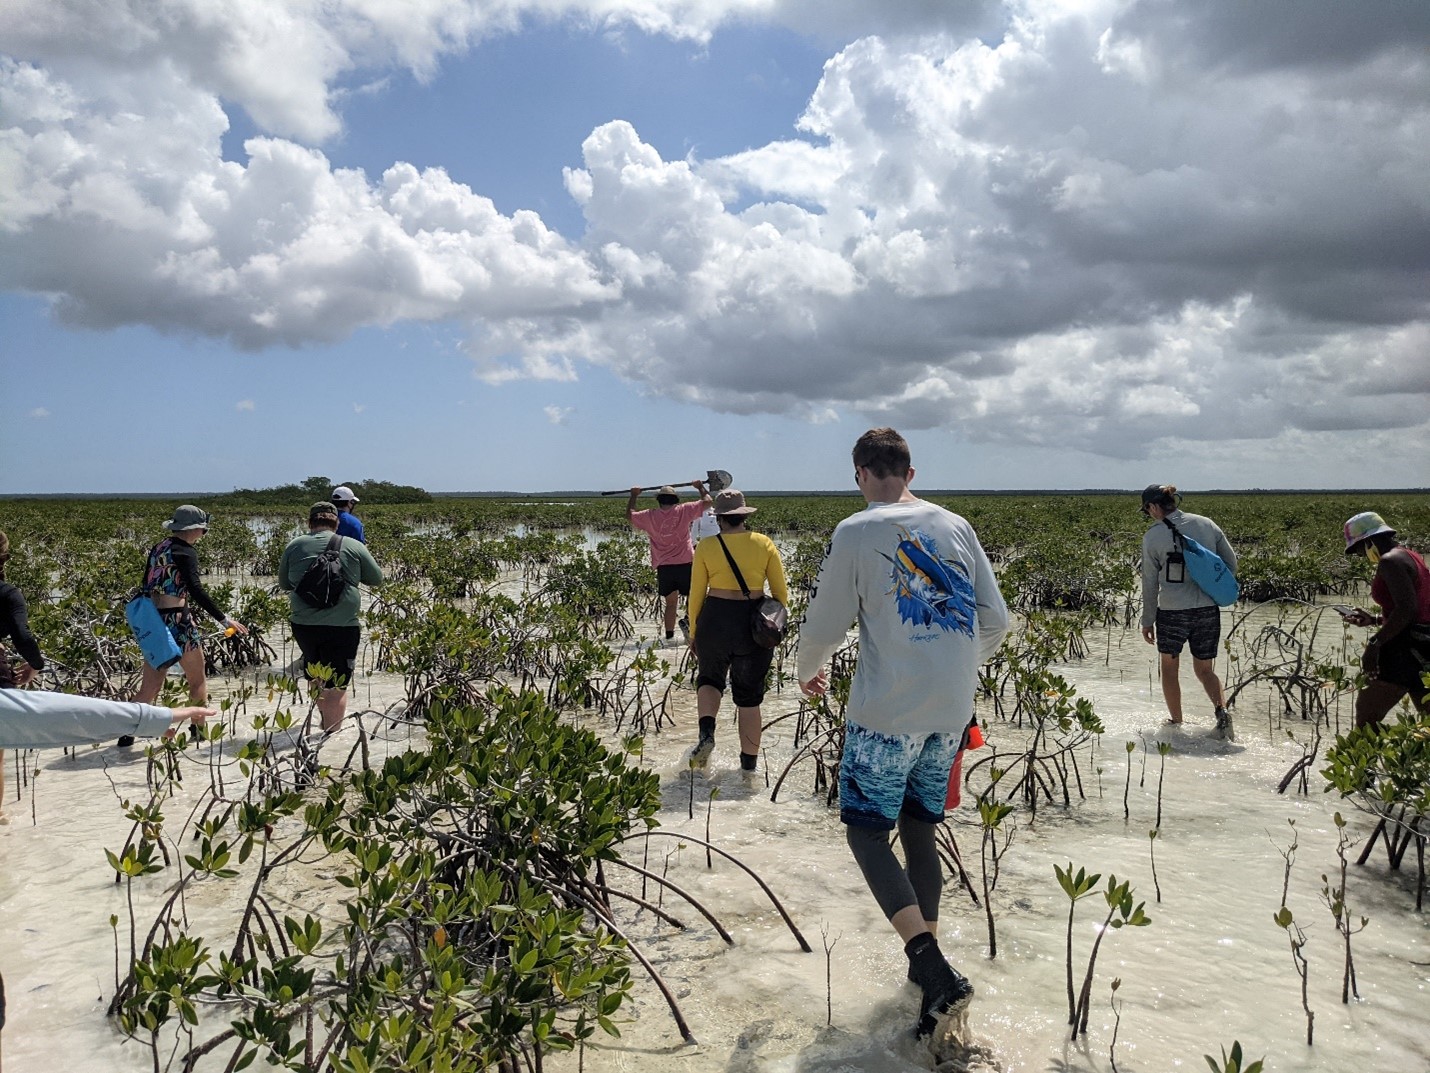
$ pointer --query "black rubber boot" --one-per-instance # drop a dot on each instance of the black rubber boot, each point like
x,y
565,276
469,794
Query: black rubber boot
x,y
947,992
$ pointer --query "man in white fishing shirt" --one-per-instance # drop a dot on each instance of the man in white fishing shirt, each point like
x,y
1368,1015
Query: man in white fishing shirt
x,y
929,613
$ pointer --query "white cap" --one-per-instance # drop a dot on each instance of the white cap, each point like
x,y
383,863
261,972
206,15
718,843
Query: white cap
x,y
344,494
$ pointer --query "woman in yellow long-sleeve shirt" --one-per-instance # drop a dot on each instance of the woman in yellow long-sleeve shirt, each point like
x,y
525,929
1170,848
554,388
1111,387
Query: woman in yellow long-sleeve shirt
x,y
720,624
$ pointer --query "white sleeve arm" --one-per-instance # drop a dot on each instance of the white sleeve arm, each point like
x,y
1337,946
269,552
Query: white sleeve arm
x,y
35,719
833,606
992,609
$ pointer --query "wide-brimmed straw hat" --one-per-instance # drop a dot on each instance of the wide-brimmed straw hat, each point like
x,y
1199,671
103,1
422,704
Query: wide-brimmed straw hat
x,y
731,502
1362,527
187,517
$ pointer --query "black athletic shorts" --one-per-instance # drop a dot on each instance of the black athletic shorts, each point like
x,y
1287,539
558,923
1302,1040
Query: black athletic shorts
x,y
1405,658
1198,627
332,646
673,577
725,648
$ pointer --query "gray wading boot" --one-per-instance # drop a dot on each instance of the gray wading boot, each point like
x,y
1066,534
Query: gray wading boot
x,y
1224,729
946,991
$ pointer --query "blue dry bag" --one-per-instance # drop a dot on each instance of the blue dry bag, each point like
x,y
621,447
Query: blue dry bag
x,y
160,649
1207,568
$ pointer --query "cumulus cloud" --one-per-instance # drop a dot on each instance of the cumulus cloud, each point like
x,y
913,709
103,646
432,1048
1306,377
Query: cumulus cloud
x,y
558,415
1105,225
244,406
39,412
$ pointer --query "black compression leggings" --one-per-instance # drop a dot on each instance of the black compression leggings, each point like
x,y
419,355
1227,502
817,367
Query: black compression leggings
x,y
896,887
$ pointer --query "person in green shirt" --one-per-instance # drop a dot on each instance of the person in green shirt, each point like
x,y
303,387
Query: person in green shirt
x,y
327,636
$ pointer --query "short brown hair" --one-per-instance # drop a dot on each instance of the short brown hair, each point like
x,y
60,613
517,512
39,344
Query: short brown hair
x,y
883,452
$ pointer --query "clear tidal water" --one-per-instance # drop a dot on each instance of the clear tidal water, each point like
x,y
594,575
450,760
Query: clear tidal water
x,y
1212,967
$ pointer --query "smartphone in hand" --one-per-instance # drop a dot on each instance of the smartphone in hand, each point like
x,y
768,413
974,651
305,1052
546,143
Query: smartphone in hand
x,y
1343,610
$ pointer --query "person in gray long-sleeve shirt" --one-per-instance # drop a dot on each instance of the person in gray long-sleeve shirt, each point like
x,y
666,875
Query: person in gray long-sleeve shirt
x,y
1175,610
38,719
929,613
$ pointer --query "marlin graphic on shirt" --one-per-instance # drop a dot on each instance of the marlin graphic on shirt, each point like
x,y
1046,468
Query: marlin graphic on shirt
x,y
929,590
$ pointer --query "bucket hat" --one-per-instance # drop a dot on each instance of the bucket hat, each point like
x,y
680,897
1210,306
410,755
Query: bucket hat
x,y
187,517
343,494
1362,527
731,502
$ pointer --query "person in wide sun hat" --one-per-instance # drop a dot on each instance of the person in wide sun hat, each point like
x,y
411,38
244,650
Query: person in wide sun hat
x,y
720,625
171,580
1397,656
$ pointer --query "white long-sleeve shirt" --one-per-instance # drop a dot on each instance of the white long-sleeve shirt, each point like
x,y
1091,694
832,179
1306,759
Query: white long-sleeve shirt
x,y
35,719
929,612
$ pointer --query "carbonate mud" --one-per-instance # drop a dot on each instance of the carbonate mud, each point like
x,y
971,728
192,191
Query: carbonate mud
x,y
1212,966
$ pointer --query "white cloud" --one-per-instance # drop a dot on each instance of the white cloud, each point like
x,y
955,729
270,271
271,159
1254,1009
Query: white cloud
x,y
359,407
558,415
39,412
244,406
1106,226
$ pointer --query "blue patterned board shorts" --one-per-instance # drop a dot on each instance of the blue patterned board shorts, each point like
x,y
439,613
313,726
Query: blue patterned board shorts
x,y
183,627
882,775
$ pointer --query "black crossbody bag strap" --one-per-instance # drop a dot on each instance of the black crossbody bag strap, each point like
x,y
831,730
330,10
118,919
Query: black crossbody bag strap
x,y
734,566
1176,535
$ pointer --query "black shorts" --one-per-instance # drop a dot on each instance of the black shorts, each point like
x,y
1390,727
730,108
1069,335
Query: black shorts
x,y
332,646
724,647
1405,658
673,577
1198,627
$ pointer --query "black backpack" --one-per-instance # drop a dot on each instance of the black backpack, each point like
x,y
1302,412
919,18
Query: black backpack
x,y
322,584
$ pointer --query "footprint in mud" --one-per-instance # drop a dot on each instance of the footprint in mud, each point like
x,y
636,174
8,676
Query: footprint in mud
x,y
958,1050
746,1056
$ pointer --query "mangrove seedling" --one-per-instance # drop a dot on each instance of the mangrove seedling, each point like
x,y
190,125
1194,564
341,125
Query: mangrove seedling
x,y
1120,913
1297,937
1335,899
828,970
1232,1063
1163,748
1127,786
1152,852
996,840
1116,1022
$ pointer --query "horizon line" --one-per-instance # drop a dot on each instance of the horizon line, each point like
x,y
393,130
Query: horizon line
x,y
592,494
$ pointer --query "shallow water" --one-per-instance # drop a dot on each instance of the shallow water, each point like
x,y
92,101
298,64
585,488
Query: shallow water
x,y
1212,966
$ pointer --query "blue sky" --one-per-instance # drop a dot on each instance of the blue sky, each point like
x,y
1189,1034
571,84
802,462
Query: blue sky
x,y
1057,244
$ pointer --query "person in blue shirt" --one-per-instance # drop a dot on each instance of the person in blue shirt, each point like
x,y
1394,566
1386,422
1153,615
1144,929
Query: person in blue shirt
x,y
349,524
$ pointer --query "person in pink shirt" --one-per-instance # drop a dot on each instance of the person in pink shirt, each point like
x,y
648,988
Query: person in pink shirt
x,y
671,551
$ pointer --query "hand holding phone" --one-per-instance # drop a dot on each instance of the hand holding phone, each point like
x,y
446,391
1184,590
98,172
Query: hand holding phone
x,y
1354,615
